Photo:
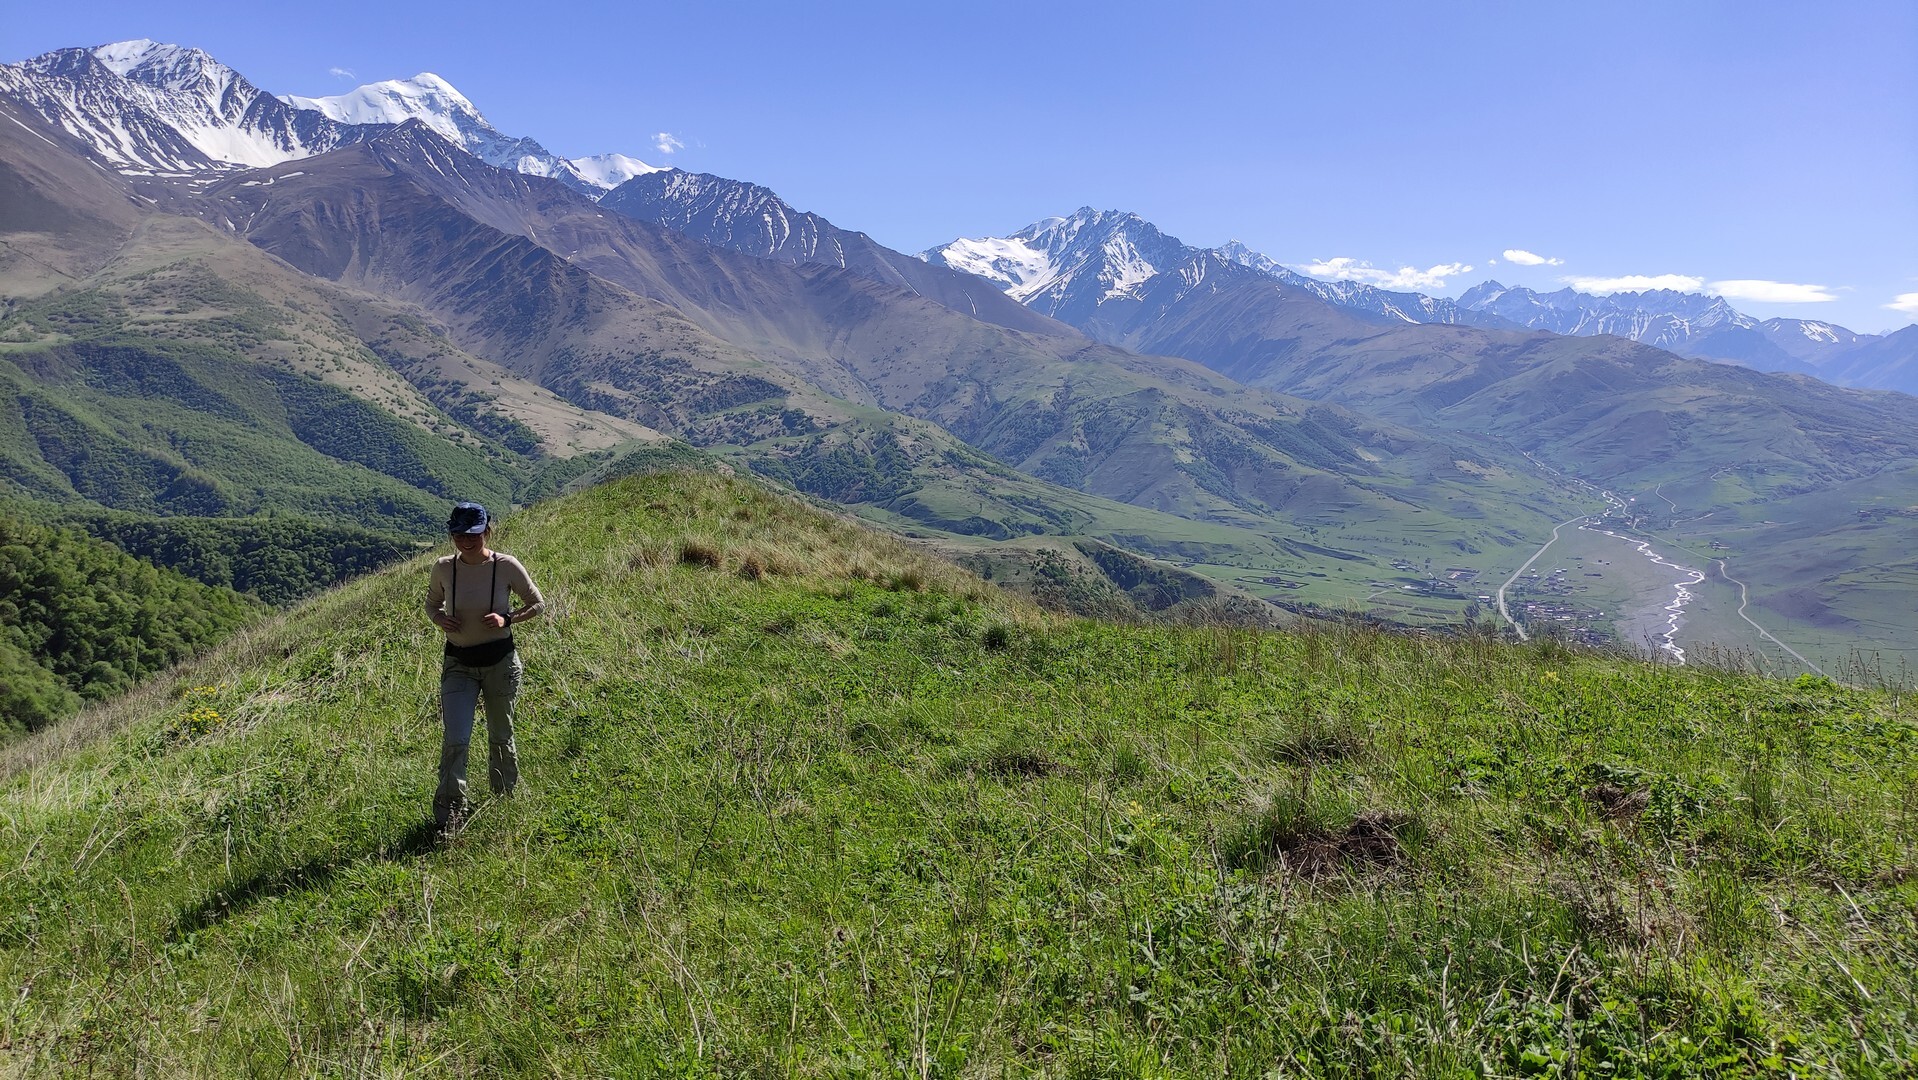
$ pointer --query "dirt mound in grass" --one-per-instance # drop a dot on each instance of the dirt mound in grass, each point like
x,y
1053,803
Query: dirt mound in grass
x,y
1369,844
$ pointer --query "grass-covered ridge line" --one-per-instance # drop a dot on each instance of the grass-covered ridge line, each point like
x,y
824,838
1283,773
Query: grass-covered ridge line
x,y
802,802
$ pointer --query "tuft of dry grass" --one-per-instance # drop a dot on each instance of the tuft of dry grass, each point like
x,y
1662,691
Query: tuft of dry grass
x,y
700,554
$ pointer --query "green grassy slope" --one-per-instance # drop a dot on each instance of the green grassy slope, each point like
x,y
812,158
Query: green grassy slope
x,y
160,428
801,802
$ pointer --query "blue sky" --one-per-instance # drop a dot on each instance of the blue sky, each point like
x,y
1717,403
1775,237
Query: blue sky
x,y
1764,150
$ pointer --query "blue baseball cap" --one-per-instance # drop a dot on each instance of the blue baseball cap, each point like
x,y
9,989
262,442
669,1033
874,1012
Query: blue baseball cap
x,y
469,518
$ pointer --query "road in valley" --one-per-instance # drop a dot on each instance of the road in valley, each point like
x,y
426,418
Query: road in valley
x,y
1506,612
1744,600
1674,610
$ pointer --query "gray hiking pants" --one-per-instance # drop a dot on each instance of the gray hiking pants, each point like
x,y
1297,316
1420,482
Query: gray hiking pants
x,y
461,688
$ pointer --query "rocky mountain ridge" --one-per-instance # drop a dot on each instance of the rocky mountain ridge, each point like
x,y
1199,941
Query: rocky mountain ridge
x,y
1696,324
148,107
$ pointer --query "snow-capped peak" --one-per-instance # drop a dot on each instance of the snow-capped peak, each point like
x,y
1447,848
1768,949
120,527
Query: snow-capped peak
x,y
1235,252
1091,255
608,171
123,56
425,97
175,69
448,113
145,106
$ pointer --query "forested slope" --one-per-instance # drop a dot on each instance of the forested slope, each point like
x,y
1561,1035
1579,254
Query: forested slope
x,y
82,620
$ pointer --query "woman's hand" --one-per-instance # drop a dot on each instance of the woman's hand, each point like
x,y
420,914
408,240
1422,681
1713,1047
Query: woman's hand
x,y
496,620
449,623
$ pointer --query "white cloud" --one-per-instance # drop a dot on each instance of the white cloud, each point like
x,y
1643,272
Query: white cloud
x,y
667,143
341,73
1526,258
1905,302
1405,277
1749,289
1605,286
1771,292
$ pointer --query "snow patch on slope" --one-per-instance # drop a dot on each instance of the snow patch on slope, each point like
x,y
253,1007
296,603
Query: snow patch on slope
x,y
1017,267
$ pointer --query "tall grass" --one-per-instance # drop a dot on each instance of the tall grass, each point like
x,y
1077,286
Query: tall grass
x,y
853,812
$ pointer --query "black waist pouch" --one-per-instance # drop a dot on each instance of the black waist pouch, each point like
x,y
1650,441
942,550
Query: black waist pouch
x,y
485,654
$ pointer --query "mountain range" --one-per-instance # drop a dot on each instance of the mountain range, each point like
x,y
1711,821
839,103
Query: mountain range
x,y
192,268
1706,326
1122,281
144,106
1069,266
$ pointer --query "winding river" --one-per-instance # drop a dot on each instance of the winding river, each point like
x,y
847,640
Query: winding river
x,y
1665,642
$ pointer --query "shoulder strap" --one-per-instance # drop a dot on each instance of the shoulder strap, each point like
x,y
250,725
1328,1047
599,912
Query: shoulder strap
x,y
493,596
453,594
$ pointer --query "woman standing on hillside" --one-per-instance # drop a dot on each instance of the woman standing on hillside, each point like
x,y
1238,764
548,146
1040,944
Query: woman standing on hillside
x,y
470,598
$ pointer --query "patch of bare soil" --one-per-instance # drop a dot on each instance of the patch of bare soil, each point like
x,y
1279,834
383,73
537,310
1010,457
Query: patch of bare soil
x,y
1369,844
1020,763
1619,803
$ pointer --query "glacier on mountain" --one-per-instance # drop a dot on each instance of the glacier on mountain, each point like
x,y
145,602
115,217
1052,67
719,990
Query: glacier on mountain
x,y
608,171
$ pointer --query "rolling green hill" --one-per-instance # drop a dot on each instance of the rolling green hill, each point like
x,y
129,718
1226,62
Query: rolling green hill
x,y
801,802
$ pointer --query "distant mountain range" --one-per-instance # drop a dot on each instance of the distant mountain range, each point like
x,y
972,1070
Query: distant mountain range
x,y
1070,267
149,107
1607,408
220,301
543,310
1706,326
1073,266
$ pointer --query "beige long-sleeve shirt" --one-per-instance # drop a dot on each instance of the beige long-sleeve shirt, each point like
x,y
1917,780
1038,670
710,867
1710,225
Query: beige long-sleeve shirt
x,y
470,590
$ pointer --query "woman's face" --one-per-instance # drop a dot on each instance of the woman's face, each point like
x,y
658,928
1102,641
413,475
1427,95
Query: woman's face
x,y
469,542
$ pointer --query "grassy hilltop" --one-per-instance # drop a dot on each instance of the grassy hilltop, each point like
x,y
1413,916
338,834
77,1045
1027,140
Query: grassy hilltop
x,y
802,801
